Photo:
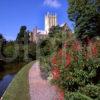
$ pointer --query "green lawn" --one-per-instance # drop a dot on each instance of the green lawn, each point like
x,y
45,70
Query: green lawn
x,y
19,87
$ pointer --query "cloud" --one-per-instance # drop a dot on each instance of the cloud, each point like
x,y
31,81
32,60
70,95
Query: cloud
x,y
52,3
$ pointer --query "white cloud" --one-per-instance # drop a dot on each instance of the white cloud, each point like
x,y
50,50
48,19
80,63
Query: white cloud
x,y
52,3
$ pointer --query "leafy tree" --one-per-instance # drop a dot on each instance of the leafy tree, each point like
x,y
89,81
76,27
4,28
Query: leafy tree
x,y
27,49
22,35
22,40
9,49
32,51
86,16
54,30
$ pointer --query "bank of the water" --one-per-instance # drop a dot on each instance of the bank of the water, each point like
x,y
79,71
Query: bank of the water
x,y
7,73
5,82
19,87
10,68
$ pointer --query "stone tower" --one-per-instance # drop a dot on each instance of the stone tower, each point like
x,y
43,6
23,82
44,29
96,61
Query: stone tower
x,y
50,20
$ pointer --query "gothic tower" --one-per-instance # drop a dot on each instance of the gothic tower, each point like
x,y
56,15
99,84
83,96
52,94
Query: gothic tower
x,y
50,20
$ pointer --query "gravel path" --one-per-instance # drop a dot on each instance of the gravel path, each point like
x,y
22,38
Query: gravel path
x,y
40,89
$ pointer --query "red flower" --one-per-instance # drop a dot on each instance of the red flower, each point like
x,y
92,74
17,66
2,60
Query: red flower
x,y
56,73
54,60
68,59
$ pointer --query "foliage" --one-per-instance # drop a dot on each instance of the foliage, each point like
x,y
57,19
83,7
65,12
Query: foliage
x,y
19,87
32,51
9,49
76,96
72,67
55,30
91,90
2,45
27,50
19,50
86,16
51,44
76,69
22,37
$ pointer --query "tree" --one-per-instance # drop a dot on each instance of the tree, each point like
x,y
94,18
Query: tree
x,y
2,39
86,16
9,49
54,30
2,45
27,50
22,35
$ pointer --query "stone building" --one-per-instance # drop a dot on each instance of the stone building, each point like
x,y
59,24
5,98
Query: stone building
x,y
36,34
50,20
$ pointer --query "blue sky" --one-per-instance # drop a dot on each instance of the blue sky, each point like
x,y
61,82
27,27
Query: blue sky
x,y
15,13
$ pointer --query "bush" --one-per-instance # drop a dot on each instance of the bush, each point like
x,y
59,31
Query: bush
x,y
76,96
72,66
91,90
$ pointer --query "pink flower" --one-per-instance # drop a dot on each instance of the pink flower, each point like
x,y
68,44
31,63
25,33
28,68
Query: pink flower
x,y
56,73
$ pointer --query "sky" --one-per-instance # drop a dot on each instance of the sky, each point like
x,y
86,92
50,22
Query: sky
x,y
15,13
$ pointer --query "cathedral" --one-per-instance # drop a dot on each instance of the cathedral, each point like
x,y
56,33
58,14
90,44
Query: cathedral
x,y
50,20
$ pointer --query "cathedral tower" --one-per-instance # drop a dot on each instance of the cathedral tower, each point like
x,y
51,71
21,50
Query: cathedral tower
x,y
50,20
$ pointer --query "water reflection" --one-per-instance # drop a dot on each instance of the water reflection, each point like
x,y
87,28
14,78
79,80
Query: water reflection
x,y
7,73
5,82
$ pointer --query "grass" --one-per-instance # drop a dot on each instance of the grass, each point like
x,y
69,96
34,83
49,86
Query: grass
x,y
19,87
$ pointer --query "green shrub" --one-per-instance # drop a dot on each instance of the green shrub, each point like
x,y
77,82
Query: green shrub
x,y
76,96
73,67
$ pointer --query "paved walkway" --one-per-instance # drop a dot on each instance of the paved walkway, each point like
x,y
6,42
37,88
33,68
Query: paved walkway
x,y
40,89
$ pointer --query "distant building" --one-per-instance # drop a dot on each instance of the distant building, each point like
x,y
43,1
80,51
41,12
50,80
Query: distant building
x,y
36,34
50,20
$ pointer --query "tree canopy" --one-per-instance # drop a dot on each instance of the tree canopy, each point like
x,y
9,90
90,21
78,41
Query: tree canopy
x,y
22,35
86,15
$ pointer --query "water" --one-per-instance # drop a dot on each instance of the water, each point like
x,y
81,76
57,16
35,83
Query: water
x,y
5,82
7,73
